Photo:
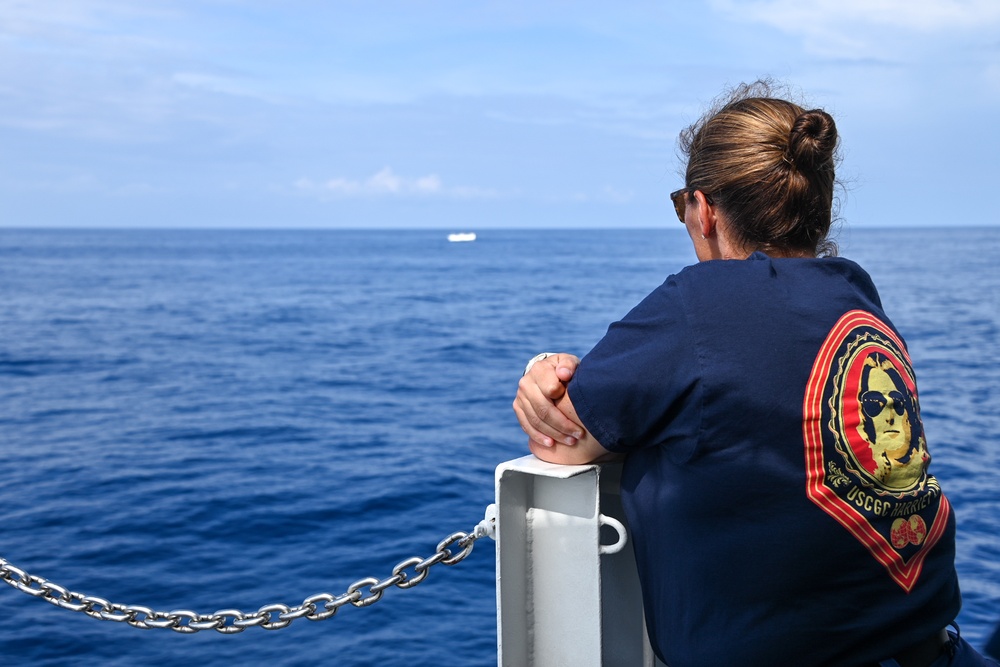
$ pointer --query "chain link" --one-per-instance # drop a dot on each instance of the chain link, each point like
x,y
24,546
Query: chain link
x,y
319,607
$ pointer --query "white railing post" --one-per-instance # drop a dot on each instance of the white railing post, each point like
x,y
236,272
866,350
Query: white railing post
x,y
567,590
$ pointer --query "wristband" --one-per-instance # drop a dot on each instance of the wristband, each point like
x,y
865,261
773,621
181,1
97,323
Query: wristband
x,y
535,359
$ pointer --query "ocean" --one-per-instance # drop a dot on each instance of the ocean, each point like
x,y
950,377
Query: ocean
x,y
206,420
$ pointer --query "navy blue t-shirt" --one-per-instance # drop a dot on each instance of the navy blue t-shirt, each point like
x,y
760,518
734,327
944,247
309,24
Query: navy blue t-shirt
x,y
776,482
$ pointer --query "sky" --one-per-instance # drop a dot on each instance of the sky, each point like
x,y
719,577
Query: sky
x,y
474,114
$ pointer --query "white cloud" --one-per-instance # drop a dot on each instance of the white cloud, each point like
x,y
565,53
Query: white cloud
x,y
606,195
217,84
922,15
84,28
382,182
428,184
617,195
865,28
386,182
929,16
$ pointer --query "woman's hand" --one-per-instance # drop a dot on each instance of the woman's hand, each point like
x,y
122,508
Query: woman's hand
x,y
535,404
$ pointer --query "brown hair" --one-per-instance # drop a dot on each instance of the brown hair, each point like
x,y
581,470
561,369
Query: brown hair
x,y
769,165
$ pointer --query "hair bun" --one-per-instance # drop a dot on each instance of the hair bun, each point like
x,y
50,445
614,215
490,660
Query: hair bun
x,y
812,140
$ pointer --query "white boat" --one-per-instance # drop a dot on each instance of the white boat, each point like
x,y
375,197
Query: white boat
x,y
462,237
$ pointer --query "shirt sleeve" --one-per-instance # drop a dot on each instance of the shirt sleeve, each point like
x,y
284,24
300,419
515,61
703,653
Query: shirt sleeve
x,y
638,387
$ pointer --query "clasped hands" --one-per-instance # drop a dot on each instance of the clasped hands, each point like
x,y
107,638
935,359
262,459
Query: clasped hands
x,y
546,414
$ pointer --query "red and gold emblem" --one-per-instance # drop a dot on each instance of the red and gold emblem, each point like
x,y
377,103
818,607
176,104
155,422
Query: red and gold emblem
x,y
866,456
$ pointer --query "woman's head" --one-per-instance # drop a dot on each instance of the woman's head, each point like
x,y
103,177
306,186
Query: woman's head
x,y
769,166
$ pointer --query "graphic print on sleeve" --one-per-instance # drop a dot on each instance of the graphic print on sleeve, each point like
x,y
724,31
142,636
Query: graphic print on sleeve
x,y
866,456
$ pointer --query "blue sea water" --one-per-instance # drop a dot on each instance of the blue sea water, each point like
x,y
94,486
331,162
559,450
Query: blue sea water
x,y
220,419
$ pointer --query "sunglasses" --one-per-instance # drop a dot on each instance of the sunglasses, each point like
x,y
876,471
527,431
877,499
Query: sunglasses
x,y
874,402
679,198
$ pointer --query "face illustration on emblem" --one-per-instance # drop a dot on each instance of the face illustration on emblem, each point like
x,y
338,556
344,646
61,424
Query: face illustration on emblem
x,y
887,424
886,418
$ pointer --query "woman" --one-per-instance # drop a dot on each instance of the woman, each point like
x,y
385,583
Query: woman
x,y
776,473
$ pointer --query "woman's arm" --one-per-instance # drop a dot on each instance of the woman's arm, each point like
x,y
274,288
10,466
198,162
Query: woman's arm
x,y
586,449
547,415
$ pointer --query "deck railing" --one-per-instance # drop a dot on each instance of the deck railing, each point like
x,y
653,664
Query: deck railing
x,y
567,589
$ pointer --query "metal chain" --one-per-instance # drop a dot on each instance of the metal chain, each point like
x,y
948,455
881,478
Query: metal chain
x,y
361,593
